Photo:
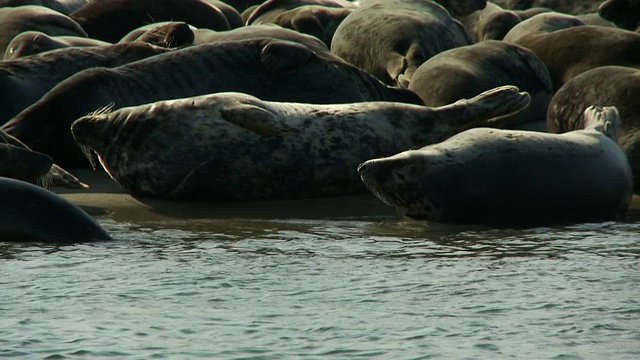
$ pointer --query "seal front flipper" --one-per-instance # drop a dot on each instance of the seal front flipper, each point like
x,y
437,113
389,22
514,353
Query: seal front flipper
x,y
282,57
254,118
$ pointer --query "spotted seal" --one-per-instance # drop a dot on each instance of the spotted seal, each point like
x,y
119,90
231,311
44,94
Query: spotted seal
x,y
269,69
232,146
510,178
29,213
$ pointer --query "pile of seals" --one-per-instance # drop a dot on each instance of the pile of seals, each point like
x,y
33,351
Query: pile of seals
x,y
253,100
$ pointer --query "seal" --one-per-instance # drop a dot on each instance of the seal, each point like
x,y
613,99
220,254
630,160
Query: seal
x,y
35,42
624,13
269,69
14,20
490,23
271,9
111,20
391,38
63,6
33,214
315,20
166,34
23,164
24,80
607,85
572,51
542,23
466,71
232,146
510,178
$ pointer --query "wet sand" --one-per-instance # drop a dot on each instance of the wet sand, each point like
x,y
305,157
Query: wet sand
x,y
106,197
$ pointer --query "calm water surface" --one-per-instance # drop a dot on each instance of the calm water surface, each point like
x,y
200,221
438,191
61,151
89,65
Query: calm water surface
x,y
314,289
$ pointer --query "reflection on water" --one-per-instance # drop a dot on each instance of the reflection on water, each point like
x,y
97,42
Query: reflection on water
x,y
354,288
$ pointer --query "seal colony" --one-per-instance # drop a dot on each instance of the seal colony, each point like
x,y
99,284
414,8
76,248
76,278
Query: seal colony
x,y
231,146
271,138
510,178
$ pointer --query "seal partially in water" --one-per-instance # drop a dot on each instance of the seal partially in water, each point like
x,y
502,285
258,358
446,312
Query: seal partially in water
x,y
29,213
232,146
510,178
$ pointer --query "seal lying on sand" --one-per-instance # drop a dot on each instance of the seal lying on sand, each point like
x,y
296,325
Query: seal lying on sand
x,y
30,213
232,146
270,69
510,178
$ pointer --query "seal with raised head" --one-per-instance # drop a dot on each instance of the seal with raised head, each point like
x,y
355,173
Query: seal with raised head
x,y
266,68
510,178
232,146
29,213
617,86
390,39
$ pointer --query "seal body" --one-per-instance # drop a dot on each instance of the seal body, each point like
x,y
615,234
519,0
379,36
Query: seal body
x,y
29,213
510,178
111,20
624,13
572,51
35,42
490,23
466,71
23,81
14,20
231,146
269,69
607,85
390,39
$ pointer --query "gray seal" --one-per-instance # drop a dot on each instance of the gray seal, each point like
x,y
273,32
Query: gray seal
x,y
29,213
510,178
624,13
269,69
232,146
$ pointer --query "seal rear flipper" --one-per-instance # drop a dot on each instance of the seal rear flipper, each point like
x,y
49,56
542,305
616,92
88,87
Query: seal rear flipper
x,y
282,57
254,118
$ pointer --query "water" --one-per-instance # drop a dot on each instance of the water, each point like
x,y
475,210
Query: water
x,y
358,288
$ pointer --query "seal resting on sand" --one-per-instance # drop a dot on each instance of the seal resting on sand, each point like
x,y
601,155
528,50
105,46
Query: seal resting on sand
x,y
510,178
232,146
29,213
270,69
